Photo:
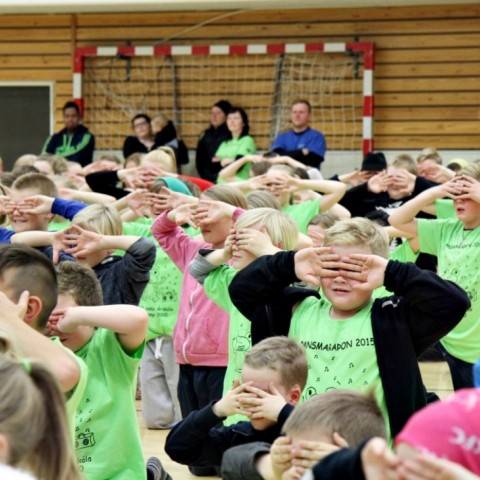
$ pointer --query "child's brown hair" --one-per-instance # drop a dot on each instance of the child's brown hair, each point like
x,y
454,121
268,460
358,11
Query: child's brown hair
x,y
283,355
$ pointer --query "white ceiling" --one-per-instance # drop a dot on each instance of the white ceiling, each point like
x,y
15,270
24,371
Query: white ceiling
x,y
78,6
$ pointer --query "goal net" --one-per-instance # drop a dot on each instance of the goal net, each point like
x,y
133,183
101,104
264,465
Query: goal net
x,y
115,83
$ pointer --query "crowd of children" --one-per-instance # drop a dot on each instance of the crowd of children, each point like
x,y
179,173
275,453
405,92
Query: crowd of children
x,y
276,337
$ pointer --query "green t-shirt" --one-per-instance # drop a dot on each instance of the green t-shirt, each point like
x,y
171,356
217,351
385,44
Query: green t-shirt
x,y
75,396
444,208
303,212
107,435
161,297
58,224
233,148
239,331
340,353
456,250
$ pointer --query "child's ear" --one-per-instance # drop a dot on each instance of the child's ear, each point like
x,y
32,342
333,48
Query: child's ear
x,y
34,307
295,394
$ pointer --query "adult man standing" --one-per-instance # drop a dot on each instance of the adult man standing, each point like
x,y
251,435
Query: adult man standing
x,y
75,142
301,142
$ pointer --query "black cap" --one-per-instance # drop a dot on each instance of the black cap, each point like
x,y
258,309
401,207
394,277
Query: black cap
x,y
224,105
374,162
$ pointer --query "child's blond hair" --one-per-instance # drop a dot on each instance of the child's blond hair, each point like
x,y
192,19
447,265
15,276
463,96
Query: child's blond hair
x,y
282,355
429,153
353,415
471,170
359,232
281,228
406,162
103,219
164,157
227,194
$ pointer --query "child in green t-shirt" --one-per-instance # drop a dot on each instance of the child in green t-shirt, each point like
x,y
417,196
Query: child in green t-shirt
x,y
110,339
352,340
455,242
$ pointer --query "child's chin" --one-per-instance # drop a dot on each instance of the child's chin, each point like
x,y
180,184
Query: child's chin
x,y
262,424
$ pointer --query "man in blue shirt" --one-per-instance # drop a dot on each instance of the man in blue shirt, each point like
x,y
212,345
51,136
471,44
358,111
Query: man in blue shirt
x,y
302,142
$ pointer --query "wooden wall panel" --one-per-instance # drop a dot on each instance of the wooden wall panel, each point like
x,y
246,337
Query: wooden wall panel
x,y
427,76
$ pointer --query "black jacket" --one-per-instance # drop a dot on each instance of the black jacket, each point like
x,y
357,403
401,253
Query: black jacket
x,y
195,440
360,201
206,148
78,147
422,310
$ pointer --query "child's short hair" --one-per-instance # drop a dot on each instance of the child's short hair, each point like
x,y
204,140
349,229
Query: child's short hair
x,y
58,163
227,194
471,170
259,168
262,198
103,219
25,160
429,153
406,162
135,158
80,282
283,355
280,227
110,157
36,181
164,157
353,415
325,220
30,270
282,168
358,232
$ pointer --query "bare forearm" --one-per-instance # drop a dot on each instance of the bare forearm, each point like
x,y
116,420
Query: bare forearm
x,y
121,319
114,242
408,211
33,238
33,344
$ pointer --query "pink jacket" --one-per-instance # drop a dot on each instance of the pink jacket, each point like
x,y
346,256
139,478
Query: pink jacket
x,y
200,335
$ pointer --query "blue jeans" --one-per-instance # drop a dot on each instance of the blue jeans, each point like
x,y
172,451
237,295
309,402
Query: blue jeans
x,y
461,372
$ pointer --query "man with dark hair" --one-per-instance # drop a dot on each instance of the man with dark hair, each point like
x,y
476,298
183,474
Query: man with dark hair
x,y
301,142
75,142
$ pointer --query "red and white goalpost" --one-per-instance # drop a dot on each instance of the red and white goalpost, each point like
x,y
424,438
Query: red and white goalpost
x,y
111,84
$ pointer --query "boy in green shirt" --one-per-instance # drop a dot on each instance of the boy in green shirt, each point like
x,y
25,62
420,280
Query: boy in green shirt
x,y
455,243
110,339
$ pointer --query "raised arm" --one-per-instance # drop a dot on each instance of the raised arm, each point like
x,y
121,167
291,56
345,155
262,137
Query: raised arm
x,y
332,191
33,344
228,173
403,218
127,321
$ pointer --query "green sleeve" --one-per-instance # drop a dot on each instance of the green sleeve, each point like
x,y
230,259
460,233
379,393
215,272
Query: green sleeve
x,y
247,147
216,286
